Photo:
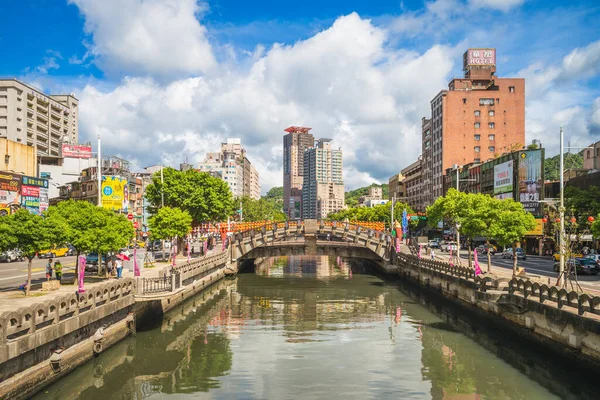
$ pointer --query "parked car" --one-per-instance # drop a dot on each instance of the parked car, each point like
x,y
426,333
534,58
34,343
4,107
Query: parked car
x,y
485,248
595,257
55,251
91,261
12,255
573,255
585,266
443,245
508,253
449,246
433,244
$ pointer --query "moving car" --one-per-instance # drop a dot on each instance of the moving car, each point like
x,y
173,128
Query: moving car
x,y
12,255
485,248
450,246
433,244
508,253
55,251
573,255
585,266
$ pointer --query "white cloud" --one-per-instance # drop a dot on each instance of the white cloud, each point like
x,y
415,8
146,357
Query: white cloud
x,y
582,62
344,82
502,5
49,62
158,37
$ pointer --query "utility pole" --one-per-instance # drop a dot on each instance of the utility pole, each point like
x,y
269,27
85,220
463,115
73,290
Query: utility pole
x,y
99,172
561,211
393,202
457,231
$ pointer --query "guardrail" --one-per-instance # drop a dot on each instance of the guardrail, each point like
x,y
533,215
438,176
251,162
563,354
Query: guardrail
x,y
157,285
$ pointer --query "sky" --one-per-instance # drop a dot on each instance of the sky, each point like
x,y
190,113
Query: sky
x,y
164,81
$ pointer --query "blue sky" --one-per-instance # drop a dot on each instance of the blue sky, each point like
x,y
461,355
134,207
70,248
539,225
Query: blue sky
x,y
162,80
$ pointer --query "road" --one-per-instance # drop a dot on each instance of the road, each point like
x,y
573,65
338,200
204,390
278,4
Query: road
x,y
534,265
14,274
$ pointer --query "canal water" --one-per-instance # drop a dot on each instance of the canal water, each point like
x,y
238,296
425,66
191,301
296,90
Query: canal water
x,y
314,328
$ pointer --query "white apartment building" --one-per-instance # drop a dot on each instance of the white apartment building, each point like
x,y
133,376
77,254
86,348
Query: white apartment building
x,y
232,166
323,186
31,117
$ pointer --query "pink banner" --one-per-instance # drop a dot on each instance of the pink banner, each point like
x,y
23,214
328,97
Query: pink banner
x,y
136,267
397,244
82,261
450,259
174,254
477,267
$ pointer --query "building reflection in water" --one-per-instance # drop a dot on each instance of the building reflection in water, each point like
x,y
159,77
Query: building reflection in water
x,y
303,266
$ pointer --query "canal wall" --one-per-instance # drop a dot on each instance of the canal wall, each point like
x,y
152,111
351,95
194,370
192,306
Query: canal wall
x,y
568,323
41,342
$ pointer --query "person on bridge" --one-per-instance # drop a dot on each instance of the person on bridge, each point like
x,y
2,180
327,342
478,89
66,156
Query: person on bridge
x,y
58,270
119,268
49,269
432,254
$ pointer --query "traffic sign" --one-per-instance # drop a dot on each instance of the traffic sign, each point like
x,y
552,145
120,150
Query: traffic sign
x,y
136,225
130,216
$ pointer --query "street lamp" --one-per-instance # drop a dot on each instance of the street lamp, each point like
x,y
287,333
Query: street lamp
x,y
561,208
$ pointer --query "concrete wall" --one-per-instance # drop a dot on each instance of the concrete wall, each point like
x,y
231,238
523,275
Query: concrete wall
x,y
22,159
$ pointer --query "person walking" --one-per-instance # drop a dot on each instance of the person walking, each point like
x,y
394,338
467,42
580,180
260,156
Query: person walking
x,y
58,270
119,268
432,254
49,270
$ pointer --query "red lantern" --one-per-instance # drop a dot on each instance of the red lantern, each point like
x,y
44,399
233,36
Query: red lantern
x,y
557,219
573,220
591,219
544,220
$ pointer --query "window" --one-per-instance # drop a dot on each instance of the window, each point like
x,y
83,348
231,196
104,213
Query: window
x,y
492,137
464,100
477,149
491,113
491,125
492,149
477,137
486,102
588,154
477,113
477,124
511,89
477,160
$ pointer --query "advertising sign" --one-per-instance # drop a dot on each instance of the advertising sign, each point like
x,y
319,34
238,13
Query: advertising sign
x,y
113,192
44,200
538,230
503,178
30,191
33,181
502,196
10,192
481,57
76,151
530,180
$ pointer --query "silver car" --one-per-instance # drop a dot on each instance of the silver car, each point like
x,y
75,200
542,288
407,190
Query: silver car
x,y
508,253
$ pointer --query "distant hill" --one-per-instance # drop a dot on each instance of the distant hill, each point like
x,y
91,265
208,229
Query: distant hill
x,y
275,196
552,164
353,195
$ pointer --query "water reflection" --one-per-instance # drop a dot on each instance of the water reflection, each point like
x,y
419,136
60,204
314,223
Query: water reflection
x,y
330,334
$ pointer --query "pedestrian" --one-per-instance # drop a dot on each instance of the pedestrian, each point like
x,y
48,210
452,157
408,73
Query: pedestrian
x,y
58,270
119,268
49,270
112,267
432,254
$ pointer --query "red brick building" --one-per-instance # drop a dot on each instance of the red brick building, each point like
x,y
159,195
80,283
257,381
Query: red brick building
x,y
478,118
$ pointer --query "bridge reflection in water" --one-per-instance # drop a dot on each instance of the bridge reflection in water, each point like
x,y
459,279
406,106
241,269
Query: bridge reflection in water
x,y
317,328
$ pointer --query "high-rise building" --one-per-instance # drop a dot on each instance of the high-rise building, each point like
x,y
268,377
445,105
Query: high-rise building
x,y
323,186
478,118
30,117
294,144
232,165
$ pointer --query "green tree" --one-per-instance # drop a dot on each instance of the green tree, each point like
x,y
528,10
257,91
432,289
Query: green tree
x,y
552,165
509,224
204,197
7,240
479,210
275,197
582,203
353,195
114,232
32,234
260,210
169,223
378,213
595,228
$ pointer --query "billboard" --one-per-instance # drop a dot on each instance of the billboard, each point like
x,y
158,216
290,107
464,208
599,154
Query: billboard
x,y
503,178
481,57
76,151
10,192
502,196
113,192
530,180
31,191
538,230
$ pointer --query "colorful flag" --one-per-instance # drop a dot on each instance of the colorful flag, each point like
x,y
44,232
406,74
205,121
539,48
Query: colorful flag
x,y
82,261
136,267
477,267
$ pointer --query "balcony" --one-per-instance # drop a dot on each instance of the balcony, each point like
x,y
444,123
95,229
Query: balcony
x,y
42,128
42,118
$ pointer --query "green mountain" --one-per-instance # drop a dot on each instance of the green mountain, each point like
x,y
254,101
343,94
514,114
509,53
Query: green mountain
x,y
353,195
552,164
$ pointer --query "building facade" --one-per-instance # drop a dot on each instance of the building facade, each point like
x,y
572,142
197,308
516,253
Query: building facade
x,y
478,118
413,185
33,118
17,157
323,185
591,157
295,143
396,188
233,166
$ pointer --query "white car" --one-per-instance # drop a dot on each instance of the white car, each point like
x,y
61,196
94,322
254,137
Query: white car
x,y
595,257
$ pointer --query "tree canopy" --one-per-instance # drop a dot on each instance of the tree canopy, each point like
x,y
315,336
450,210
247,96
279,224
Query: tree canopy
x,y
204,197
260,210
552,165
353,195
378,213
170,222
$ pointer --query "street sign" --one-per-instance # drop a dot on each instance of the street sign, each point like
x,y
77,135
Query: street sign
x,y
136,225
130,216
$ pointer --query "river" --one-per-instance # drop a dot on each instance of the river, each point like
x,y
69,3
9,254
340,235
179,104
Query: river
x,y
314,329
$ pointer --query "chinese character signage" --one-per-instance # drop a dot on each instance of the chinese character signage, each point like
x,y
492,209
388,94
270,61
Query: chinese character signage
x,y
530,180
76,151
503,178
113,193
10,193
33,181
481,57
34,193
